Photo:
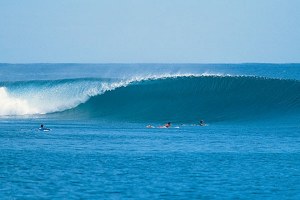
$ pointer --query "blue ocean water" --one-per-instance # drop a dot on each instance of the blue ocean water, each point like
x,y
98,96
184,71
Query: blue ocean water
x,y
99,146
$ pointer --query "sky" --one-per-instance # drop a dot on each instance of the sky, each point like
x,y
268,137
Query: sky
x,y
149,31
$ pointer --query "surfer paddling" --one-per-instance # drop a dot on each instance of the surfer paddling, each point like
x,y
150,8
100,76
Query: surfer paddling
x,y
42,128
167,125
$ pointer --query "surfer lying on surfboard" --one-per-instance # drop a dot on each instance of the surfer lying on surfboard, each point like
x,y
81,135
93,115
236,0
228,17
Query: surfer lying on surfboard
x,y
167,125
42,128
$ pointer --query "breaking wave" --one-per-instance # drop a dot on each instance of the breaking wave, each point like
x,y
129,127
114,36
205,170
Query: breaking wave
x,y
177,98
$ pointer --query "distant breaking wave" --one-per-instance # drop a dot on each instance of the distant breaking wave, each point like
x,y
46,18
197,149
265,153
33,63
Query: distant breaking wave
x,y
175,97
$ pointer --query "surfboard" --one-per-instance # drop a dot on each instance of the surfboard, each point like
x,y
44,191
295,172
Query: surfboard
x,y
44,129
168,127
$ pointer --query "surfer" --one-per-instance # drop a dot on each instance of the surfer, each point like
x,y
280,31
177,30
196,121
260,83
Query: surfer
x,y
202,123
42,128
167,125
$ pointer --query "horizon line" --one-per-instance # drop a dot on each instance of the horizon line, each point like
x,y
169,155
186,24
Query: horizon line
x,y
155,63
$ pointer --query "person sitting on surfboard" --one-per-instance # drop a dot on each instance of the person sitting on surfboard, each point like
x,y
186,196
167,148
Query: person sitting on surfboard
x,y
42,125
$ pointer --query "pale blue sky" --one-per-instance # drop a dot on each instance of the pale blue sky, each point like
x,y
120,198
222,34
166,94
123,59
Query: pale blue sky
x,y
149,31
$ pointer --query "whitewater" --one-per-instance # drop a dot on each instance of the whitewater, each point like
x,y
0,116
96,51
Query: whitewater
x,y
99,146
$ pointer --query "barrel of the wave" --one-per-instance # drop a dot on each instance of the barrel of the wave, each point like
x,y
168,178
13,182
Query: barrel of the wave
x,y
185,99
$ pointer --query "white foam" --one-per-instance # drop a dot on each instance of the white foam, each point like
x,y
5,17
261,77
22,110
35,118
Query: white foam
x,y
173,75
13,106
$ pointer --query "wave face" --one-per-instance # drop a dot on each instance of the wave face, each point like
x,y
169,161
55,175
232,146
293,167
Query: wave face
x,y
188,99
181,99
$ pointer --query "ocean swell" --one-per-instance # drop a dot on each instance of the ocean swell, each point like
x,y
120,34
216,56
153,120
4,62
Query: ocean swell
x,y
177,98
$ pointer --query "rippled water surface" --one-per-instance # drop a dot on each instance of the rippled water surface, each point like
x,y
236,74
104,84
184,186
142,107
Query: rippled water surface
x,y
93,161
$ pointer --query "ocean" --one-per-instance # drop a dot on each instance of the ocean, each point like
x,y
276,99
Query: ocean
x,y
99,146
